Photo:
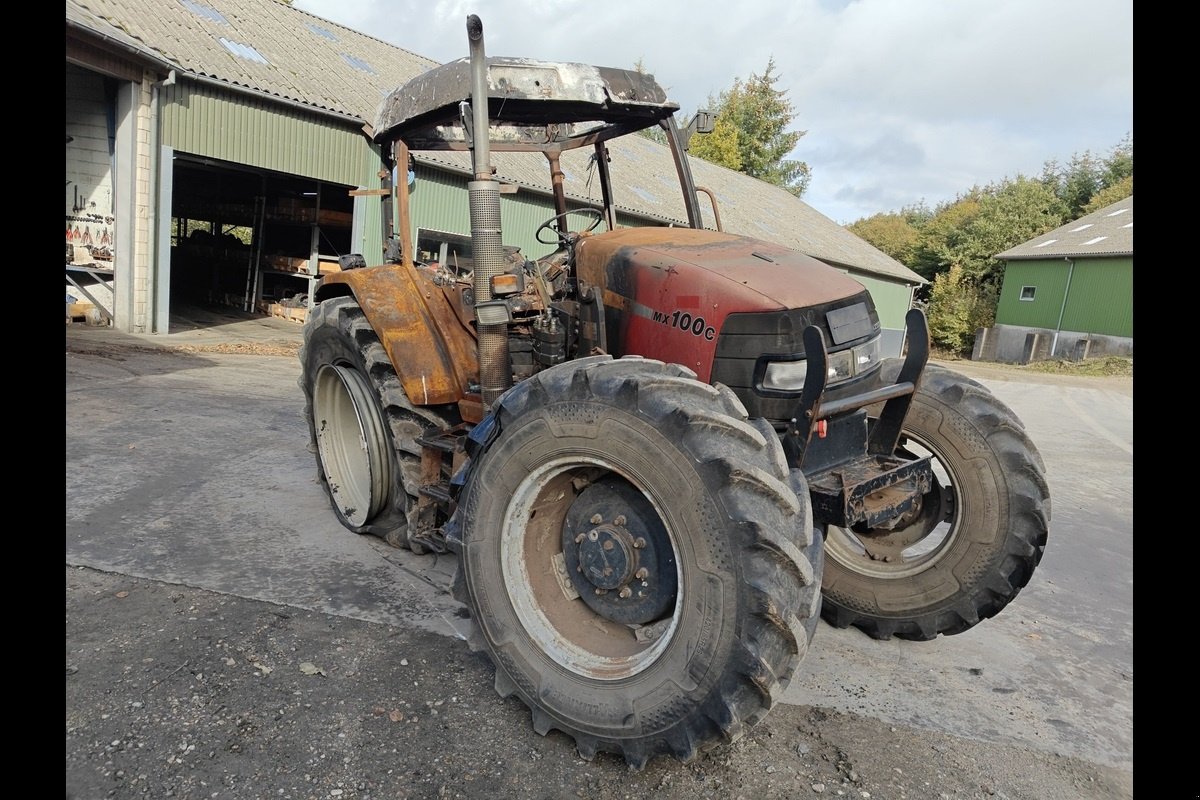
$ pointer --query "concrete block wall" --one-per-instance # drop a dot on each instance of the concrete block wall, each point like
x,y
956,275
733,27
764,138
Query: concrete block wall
x,y
1012,344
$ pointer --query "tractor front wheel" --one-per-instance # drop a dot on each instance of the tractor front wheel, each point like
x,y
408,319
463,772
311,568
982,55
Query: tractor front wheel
x,y
980,532
638,558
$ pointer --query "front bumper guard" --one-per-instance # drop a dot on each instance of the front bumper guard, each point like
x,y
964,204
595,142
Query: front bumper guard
x,y
873,485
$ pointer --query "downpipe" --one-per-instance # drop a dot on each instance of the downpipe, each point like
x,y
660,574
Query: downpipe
x,y
495,367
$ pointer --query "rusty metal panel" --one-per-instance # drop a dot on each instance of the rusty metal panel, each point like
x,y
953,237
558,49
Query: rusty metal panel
x,y
431,349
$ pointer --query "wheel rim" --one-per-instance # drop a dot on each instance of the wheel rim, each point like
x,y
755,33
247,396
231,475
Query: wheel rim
x,y
910,548
545,598
349,432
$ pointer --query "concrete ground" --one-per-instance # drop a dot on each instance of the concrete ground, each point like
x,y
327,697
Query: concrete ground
x,y
226,637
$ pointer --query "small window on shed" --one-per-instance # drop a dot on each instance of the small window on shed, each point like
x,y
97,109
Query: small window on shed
x,y
1027,292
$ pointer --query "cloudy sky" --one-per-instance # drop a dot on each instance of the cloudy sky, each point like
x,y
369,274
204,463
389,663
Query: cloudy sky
x,y
903,101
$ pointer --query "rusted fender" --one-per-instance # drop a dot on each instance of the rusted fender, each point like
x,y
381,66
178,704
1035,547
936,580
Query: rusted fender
x,y
433,353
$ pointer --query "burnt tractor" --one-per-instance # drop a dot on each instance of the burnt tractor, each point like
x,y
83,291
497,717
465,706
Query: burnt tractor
x,y
660,454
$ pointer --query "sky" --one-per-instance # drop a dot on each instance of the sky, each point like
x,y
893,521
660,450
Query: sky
x,y
903,101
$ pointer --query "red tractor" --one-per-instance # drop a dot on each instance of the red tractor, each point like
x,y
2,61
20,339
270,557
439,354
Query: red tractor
x,y
661,454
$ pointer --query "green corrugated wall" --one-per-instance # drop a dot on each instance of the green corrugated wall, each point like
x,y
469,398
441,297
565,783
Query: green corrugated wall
x,y
204,120
439,202
892,300
1100,298
209,121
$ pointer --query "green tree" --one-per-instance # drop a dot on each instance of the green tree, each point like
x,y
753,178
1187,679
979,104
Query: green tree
x,y
892,233
1011,212
970,231
958,307
1109,195
760,113
720,146
941,233
1087,174
1119,164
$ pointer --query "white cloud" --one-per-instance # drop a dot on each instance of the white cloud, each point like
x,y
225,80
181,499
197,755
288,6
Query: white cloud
x,y
903,100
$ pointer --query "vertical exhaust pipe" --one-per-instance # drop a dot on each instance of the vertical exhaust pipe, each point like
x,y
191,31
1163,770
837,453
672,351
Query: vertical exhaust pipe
x,y
495,367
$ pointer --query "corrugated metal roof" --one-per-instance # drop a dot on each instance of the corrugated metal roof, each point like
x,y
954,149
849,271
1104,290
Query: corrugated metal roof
x,y
308,59
269,47
1106,232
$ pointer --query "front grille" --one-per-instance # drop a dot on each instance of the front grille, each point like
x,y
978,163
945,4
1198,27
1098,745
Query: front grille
x,y
745,338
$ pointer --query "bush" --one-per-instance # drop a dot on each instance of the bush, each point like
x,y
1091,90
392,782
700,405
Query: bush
x,y
957,308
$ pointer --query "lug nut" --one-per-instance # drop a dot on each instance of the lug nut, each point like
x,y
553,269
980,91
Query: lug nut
x,y
625,592
593,535
608,545
601,591
620,520
641,574
639,542
579,539
596,519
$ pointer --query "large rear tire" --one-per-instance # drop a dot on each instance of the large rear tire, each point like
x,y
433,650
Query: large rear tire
x,y
979,535
362,426
638,558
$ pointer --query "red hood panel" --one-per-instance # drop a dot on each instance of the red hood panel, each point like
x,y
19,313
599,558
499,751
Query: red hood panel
x,y
757,275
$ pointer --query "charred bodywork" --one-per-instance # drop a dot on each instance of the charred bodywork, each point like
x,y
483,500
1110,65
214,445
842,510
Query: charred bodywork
x,y
728,307
661,454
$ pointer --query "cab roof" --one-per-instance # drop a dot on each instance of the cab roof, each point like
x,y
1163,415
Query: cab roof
x,y
534,106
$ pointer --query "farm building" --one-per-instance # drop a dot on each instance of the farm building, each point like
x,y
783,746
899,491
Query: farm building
x,y
1067,293
220,151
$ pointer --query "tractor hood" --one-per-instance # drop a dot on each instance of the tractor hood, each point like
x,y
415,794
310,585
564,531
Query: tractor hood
x,y
754,275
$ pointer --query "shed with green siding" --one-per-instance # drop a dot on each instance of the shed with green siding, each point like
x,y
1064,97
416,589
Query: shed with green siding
x,y
268,101
1067,293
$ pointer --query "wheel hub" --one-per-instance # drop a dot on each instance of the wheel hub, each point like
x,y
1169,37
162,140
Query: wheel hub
x,y
607,556
617,553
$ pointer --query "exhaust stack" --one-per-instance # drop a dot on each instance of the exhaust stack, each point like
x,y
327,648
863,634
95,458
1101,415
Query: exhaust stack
x,y
495,366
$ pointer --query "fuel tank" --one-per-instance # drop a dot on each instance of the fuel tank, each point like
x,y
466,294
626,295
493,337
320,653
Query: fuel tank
x,y
668,292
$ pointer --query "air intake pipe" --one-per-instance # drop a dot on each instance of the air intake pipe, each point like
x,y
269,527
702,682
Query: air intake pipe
x,y
491,317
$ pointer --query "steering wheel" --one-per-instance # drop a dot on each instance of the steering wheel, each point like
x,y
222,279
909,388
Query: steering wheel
x,y
559,236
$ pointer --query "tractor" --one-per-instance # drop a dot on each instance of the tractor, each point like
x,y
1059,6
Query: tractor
x,y
661,454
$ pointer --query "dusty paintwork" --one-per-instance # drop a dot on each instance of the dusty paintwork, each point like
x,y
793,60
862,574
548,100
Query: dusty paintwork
x,y
669,290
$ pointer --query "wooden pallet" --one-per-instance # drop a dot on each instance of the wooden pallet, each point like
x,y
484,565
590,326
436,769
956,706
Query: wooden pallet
x,y
284,312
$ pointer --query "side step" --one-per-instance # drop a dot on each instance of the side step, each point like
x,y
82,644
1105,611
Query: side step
x,y
442,453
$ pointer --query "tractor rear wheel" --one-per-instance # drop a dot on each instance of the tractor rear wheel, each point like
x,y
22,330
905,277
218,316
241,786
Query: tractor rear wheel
x,y
977,538
361,425
639,560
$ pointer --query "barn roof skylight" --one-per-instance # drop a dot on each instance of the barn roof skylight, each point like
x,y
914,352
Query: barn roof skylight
x,y
243,51
201,10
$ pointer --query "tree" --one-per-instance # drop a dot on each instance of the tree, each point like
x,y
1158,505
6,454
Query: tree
x,y
720,146
957,308
760,114
969,232
1110,195
1011,212
1088,174
891,233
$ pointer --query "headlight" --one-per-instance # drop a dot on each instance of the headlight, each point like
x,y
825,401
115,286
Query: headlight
x,y
788,376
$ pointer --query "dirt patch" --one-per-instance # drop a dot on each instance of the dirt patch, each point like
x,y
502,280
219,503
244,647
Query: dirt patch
x,y
173,691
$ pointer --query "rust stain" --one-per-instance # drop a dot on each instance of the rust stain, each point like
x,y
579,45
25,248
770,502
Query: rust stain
x,y
433,352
